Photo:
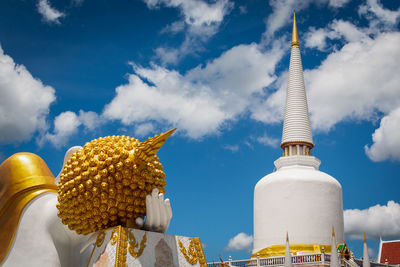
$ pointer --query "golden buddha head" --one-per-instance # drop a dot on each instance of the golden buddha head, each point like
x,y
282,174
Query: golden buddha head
x,y
105,182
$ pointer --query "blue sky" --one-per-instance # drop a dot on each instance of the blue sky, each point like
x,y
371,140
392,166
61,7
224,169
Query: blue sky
x,y
72,71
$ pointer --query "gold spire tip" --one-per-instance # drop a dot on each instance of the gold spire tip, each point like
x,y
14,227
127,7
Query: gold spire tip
x,y
295,36
333,231
365,240
287,237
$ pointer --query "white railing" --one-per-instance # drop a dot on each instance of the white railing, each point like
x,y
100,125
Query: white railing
x,y
310,259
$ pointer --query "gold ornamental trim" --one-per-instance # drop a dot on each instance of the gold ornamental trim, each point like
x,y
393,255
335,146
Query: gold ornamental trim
x,y
133,245
114,237
279,250
194,253
122,245
126,242
100,238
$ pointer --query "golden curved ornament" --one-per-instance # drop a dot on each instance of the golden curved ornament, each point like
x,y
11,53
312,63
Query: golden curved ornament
x,y
114,237
100,238
23,176
148,148
133,245
194,253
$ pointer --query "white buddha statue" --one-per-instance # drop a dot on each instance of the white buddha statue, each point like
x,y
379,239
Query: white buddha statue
x,y
48,221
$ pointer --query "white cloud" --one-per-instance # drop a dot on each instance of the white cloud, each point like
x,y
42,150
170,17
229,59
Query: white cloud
x,y
348,31
338,3
144,129
386,139
377,14
243,9
200,21
49,14
241,241
338,29
376,221
24,102
270,110
196,13
316,38
232,148
267,140
174,27
168,55
361,79
67,124
89,119
282,13
199,102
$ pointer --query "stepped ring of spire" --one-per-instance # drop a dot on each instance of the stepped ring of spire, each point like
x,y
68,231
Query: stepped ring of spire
x,y
296,134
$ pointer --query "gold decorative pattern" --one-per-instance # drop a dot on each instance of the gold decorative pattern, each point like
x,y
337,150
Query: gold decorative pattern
x,y
100,238
23,176
114,237
200,252
133,244
105,183
194,253
279,250
122,244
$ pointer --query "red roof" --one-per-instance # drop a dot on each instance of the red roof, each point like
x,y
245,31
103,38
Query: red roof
x,y
390,252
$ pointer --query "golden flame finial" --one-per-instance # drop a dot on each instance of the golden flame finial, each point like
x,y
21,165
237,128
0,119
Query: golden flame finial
x,y
365,240
333,231
295,37
287,237
148,148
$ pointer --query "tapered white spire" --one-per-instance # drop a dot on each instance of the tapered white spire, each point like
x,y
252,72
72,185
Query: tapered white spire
x,y
366,262
296,124
334,254
288,256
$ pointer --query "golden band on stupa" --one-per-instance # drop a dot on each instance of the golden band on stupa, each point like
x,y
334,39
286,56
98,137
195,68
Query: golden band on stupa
x,y
105,183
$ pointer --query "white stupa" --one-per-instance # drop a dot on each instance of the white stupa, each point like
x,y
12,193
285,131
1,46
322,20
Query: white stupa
x,y
296,198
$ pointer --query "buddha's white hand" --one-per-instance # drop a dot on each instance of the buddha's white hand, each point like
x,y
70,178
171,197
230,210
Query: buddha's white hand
x,y
158,213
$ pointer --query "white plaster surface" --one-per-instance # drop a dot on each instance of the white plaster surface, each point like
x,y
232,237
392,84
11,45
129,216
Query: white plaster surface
x,y
298,199
42,240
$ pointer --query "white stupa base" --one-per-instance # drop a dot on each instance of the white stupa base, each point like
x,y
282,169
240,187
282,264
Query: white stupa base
x,y
300,200
121,246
